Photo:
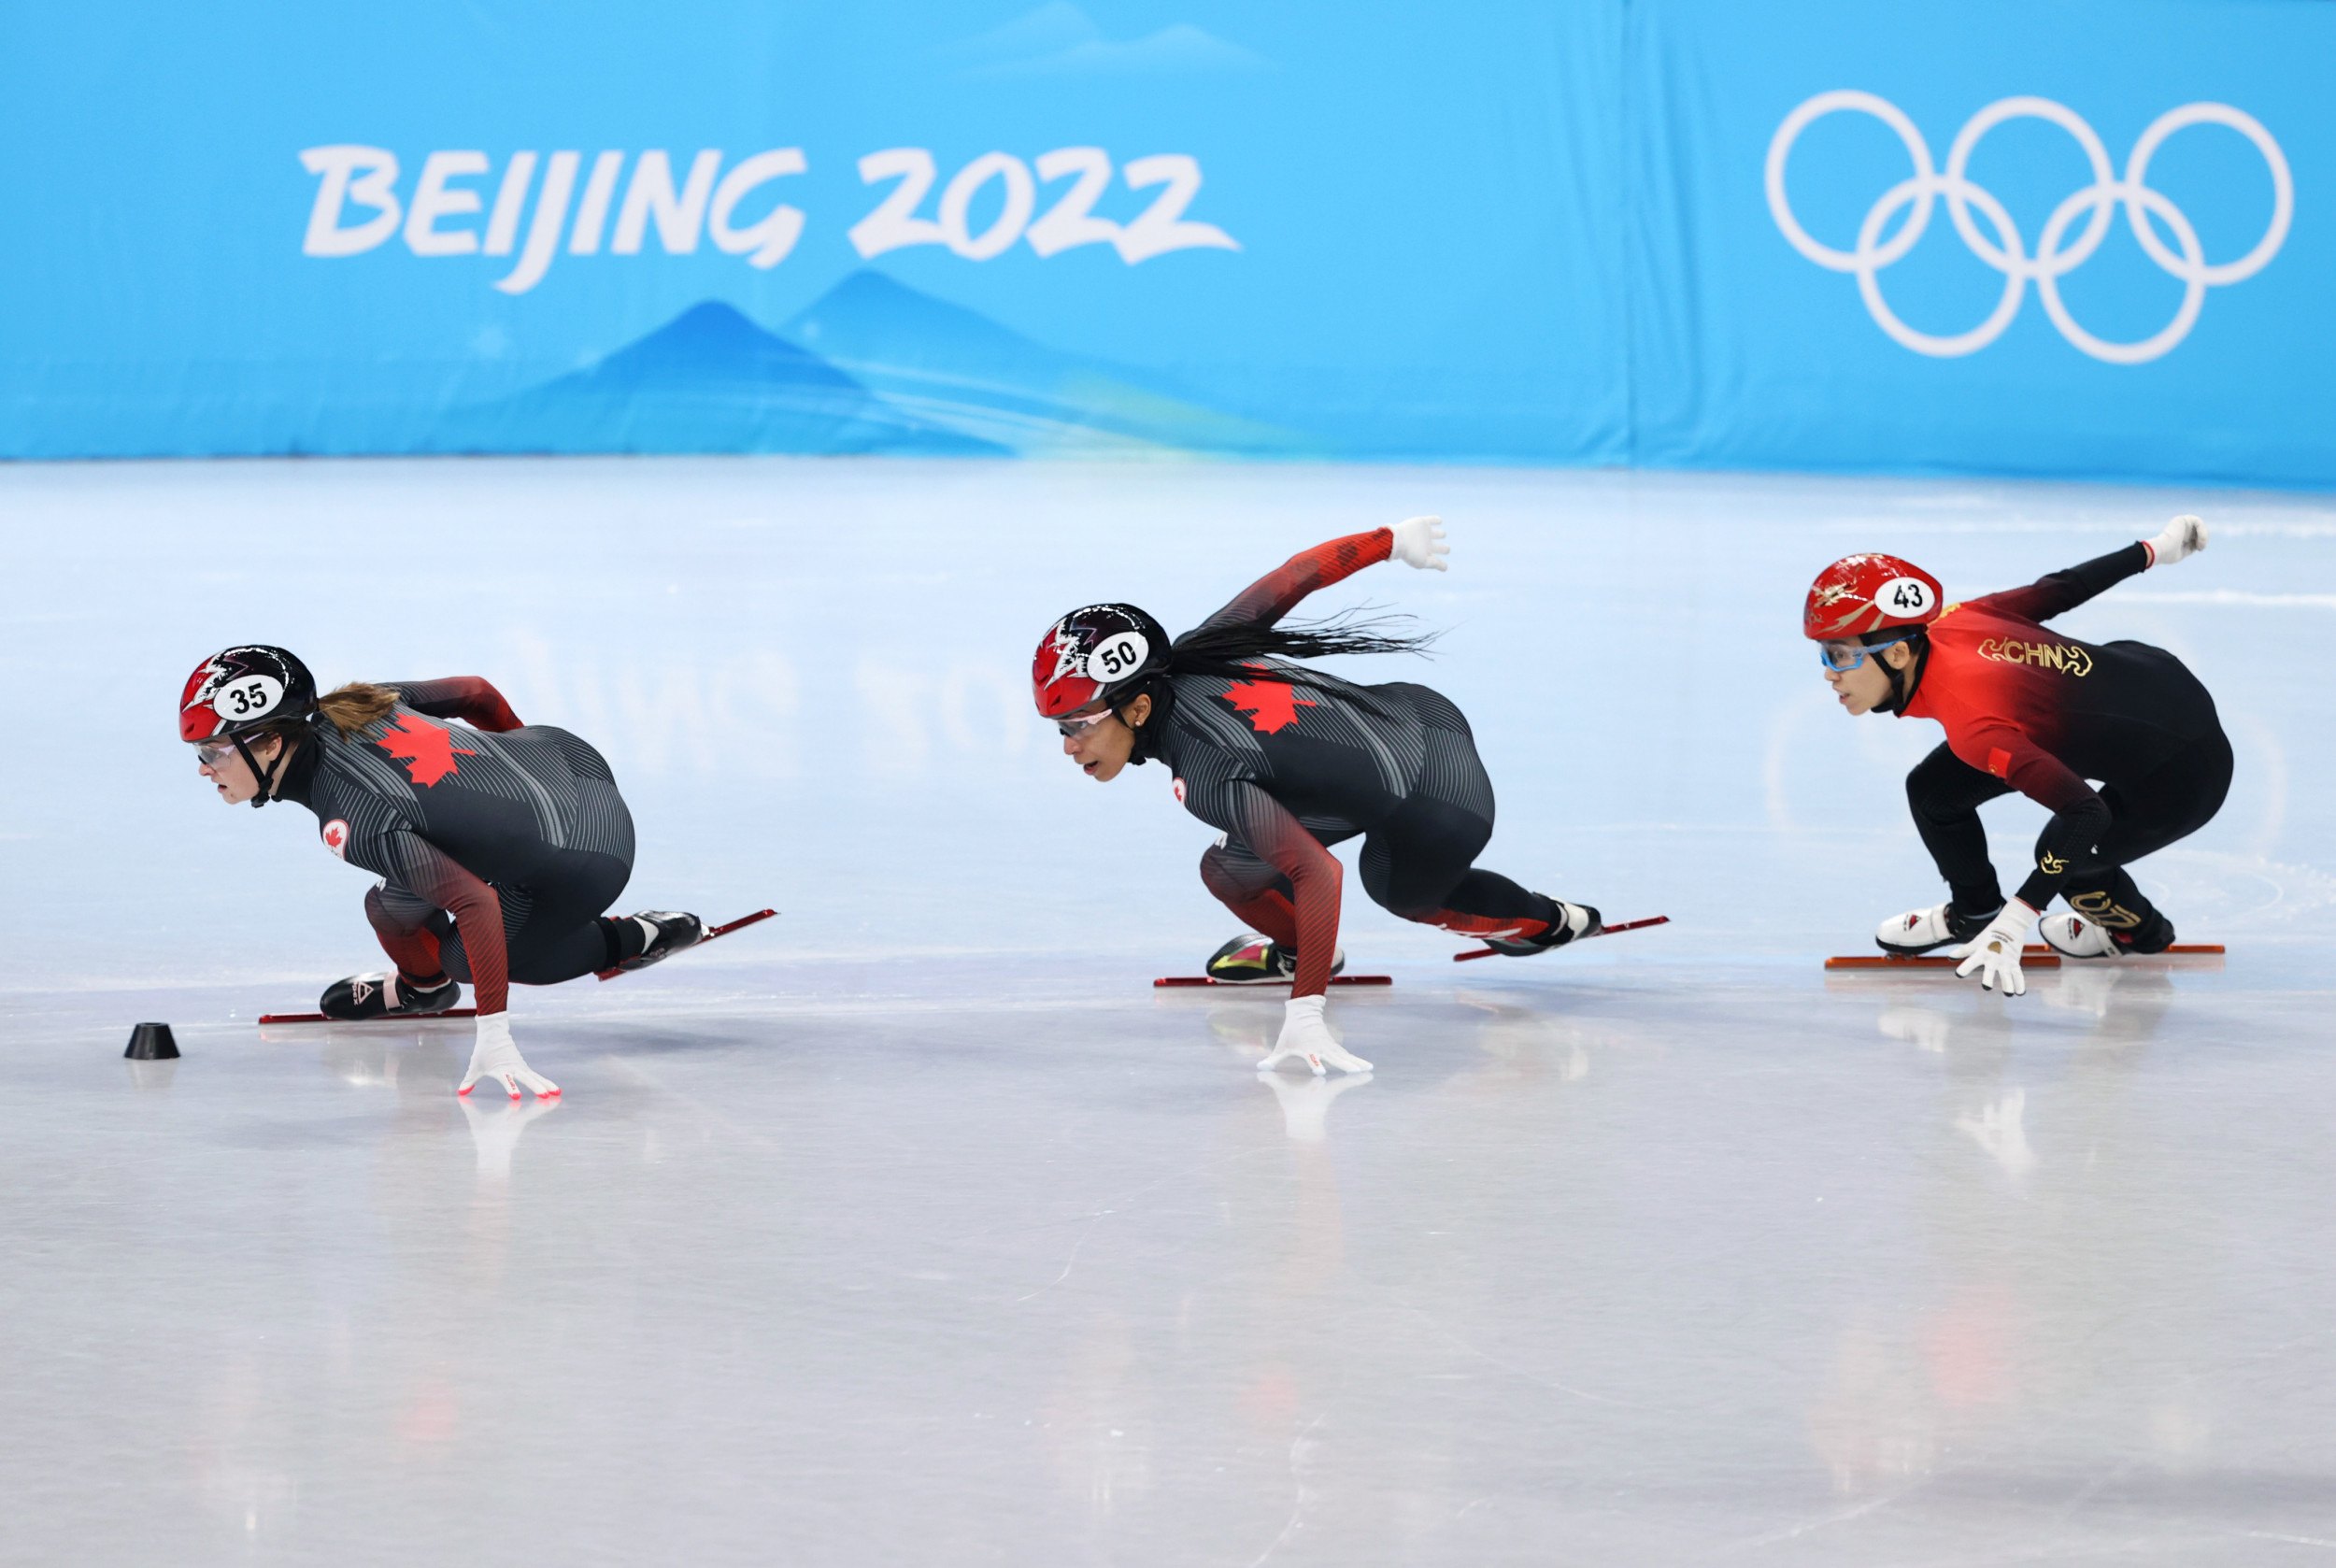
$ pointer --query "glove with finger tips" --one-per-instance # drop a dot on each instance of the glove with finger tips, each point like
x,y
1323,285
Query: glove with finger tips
x,y
1993,955
495,1057
1419,542
1304,1033
2185,536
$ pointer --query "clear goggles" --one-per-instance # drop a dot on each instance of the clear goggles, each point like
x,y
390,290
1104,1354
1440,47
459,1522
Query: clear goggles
x,y
1843,655
217,749
1078,724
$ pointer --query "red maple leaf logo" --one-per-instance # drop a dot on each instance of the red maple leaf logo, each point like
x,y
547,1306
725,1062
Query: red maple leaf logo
x,y
1271,705
427,751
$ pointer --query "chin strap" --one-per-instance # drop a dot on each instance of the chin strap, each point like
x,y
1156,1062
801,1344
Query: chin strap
x,y
1903,682
267,776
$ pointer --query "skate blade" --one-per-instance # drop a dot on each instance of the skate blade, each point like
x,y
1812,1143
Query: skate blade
x,y
739,924
266,1019
2036,955
1586,937
1266,985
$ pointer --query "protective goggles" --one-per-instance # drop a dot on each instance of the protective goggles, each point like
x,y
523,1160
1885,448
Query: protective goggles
x,y
1842,657
1078,725
212,753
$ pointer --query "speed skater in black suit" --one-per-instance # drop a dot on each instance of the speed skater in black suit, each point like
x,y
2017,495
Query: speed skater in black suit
x,y
1285,760
498,845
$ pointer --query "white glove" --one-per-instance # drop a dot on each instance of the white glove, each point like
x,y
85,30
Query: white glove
x,y
1419,542
2185,536
1304,1033
1993,955
495,1057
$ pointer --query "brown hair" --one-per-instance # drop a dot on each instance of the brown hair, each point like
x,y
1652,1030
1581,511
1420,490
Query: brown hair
x,y
353,706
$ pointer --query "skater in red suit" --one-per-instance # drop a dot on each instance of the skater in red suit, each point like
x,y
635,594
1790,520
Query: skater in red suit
x,y
1285,760
2028,710
498,846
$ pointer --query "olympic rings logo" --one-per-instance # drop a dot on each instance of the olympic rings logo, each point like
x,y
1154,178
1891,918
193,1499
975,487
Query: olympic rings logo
x,y
2006,252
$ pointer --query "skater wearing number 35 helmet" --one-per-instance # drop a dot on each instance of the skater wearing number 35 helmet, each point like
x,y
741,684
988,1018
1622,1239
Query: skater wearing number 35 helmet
x,y
1286,760
498,846
2030,710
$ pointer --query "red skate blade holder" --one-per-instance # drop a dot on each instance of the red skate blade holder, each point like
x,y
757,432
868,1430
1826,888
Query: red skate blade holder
x,y
2036,955
739,924
1269,985
267,1018
1602,930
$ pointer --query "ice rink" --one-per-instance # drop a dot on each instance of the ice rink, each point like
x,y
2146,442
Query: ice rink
x,y
915,1227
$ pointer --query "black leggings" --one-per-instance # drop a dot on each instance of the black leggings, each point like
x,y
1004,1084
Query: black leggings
x,y
550,925
2171,802
1418,861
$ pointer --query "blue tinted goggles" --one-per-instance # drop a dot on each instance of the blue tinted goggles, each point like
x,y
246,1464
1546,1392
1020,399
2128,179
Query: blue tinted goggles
x,y
1847,655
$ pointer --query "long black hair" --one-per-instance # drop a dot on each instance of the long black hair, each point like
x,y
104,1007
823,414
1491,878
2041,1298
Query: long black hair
x,y
1236,650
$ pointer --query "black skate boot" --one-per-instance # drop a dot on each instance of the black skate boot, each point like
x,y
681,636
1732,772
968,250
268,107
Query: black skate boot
x,y
673,932
1253,959
1574,922
373,996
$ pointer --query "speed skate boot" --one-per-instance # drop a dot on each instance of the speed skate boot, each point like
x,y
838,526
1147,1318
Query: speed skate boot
x,y
1918,930
1574,922
373,996
1253,960
668,934
2074,936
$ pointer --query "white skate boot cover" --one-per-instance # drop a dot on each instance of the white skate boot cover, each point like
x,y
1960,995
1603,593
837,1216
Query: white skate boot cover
x,y
2075,936
1917,930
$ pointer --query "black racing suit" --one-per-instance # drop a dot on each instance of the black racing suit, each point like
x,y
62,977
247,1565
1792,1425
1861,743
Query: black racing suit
x,y
497,846
2034,711
1286,770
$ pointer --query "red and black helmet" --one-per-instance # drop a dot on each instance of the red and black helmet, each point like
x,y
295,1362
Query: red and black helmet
x,y
1091,650
1863,593
238,690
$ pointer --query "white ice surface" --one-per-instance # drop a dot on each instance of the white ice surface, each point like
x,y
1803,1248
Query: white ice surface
x,y
914,1227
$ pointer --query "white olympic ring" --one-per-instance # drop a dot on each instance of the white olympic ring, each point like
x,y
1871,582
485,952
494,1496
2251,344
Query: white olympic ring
x,y
2005,253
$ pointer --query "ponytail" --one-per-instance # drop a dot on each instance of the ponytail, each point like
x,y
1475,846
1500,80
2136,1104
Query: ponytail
x,y
352,708
1228,650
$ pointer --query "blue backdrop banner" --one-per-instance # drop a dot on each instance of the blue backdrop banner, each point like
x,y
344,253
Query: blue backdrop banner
x,y
2078,239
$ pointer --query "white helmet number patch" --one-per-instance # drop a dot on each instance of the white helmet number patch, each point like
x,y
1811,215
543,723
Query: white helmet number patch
x,y
248,696
1904,598
1118,657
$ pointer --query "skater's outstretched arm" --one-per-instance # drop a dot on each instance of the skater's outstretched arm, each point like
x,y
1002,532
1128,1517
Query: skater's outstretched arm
x,y
2063,591
1416,541
1266,826
412,862
463,696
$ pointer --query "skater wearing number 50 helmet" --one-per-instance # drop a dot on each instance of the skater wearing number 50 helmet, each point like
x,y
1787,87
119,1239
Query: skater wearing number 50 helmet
x,y
1285,760
2030,710
497,844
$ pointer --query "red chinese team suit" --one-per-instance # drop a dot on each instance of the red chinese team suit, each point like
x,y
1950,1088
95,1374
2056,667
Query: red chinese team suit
x,y
2031,710
497,846
1284,770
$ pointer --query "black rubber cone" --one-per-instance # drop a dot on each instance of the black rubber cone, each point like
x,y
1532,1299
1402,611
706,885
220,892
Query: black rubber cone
x,y
151,1042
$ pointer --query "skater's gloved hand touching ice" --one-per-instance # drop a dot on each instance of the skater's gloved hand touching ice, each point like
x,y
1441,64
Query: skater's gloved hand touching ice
x,y
1993,955
495,1057
1419,542
2185,536
1305,1034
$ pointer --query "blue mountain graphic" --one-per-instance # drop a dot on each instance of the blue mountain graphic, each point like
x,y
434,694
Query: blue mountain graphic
x,y
709,380
946,366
